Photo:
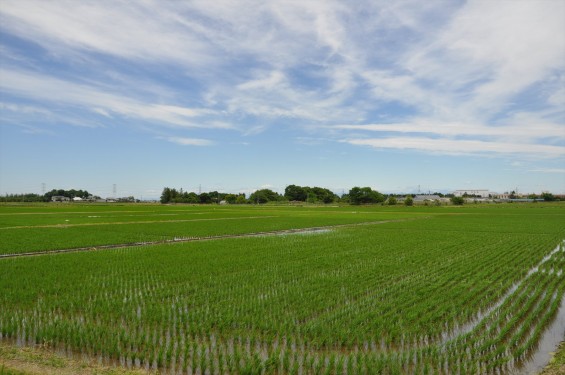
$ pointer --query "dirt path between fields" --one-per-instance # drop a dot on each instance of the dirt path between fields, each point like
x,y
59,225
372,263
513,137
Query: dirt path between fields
x,y
309,230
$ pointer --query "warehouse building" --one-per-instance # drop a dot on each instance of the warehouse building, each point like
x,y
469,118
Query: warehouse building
x,y
472,193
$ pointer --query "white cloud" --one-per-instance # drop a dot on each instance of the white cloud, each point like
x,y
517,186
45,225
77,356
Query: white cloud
x,y
61,92
491,51
549,170
26,109
460,147
188,141
130,30
557,96
441,68
460,80
526,131
205,40
390,86
274,79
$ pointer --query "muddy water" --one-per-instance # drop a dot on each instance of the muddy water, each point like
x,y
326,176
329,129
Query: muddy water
x,y
547,345
306,232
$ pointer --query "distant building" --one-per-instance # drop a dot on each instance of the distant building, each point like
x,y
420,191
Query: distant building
x,y
483,193
60,198
427,197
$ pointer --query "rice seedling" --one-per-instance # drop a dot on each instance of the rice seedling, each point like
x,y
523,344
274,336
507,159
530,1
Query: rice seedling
x,y
448,294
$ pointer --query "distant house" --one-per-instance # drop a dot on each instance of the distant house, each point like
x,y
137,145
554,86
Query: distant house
x,y
60,198
427,198
77,199
483,193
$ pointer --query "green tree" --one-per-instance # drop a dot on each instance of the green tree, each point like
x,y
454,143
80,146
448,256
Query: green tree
x,y
26,197
408,201
548,197
72,193
264,196
458,201
230,198
205,198
295,193
392,200
215,196
165,196
365,195
312,198
192,198
323,195
259,197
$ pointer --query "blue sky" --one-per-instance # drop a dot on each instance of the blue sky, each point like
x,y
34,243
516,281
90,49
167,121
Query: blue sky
x,y
241,95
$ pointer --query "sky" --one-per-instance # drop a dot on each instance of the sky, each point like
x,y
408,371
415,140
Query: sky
x,y
238,95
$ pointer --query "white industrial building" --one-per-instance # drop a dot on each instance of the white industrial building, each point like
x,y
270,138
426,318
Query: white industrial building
x,y
478,193
60,198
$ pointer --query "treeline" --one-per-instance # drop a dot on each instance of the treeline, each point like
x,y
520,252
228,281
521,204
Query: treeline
x,y
30,197
83,194
292,193
310,194
171,195
47,197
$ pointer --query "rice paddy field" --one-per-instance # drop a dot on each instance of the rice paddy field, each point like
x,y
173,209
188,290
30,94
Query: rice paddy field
x,y
284,290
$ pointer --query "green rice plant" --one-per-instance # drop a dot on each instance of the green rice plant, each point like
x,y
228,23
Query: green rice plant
x,y
445,294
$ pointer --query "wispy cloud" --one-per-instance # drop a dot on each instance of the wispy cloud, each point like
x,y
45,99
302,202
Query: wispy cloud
x,y
458,85
549,170
516,131
188,141
460,147
482,77
44,88
24,109
128,30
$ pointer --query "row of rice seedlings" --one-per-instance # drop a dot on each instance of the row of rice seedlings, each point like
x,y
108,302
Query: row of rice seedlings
x,y
452,330
500,353
115,292
495,353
